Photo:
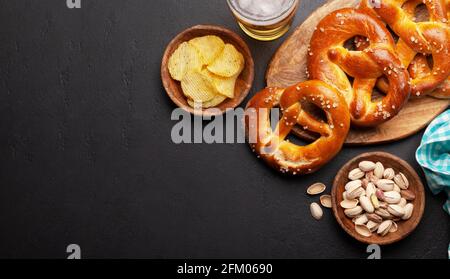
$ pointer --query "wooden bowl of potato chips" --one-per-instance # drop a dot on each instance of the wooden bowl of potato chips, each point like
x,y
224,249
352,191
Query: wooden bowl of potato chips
x,y
207,69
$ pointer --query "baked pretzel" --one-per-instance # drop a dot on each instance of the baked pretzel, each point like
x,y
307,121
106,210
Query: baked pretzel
x,y
272,145
331,62
420,67
417,40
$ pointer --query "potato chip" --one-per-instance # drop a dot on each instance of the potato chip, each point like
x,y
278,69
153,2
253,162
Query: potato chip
x,y
198,87
223,85
217,100
184,59
228,63
209,47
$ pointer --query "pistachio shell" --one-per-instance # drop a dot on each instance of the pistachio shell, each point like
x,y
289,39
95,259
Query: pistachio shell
x,y
408,211
363,230
366,204
396,188
402,202
346,204
370,189
367,166
360,220
389,173
325,201
385,184
384,227
316,189
372,226
353,212
392,197
352,185
396,210
356,193
383,213
356,174
316,211
401,180
374,218
393,228
379,170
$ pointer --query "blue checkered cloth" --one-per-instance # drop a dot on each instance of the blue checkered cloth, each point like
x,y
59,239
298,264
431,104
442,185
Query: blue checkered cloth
x,y
433,155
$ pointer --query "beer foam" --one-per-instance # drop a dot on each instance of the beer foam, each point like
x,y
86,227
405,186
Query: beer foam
x,y
262,9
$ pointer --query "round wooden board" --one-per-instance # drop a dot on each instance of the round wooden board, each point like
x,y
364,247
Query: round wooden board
x,y
288,66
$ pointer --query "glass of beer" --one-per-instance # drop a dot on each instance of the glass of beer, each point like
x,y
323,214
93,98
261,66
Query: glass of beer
x,y
264,20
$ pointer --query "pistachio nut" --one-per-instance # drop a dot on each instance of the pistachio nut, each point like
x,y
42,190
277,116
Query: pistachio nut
x,y
371,177
353,212
396,210
366,204
385,184
389,173
316,211
346,204
374,218
372,226
360,220
402,202
394,227
375,202
383,213
408,211
380,194
366,166
401,180
384,227
408,195
352,185
356,174
392,197
363,230
379,170
370,189
356,193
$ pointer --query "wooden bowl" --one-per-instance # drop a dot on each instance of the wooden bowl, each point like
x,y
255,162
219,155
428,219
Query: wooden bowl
x,y
244,81
388,161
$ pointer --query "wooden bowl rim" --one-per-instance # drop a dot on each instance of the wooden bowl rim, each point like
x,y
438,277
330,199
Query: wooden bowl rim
x,y
249,64
407,168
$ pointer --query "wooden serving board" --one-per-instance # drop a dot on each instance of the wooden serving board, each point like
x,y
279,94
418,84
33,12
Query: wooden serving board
x,y
288,66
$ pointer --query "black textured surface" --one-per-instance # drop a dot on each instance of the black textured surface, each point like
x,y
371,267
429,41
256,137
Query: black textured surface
x,y
86,155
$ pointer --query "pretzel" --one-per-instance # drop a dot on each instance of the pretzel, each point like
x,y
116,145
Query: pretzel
x,y
331,62
272,145
418,40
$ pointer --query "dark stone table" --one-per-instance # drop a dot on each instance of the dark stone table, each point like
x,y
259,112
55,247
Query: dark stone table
x,y
87,158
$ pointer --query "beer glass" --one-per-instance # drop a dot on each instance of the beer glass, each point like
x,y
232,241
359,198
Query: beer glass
x,y
264,20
